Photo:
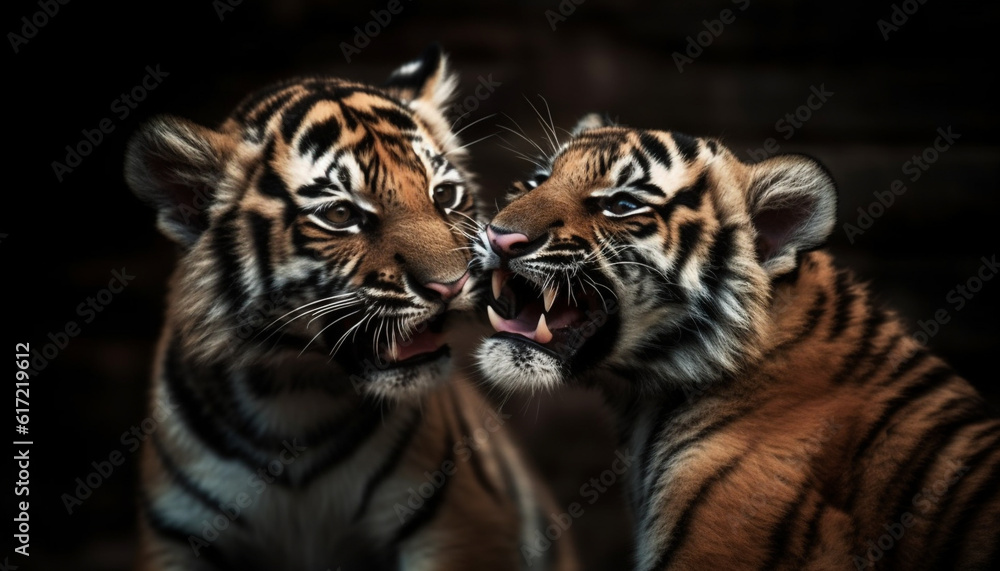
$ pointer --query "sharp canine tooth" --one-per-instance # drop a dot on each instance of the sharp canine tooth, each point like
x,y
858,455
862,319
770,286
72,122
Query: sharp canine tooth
x,y
549,296
494,318
542,333
497,284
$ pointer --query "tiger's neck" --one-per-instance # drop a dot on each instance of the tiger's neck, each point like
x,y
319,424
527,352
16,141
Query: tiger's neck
x,y
255,408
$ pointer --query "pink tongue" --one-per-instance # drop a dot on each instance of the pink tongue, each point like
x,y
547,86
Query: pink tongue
x,y
425,342
526,322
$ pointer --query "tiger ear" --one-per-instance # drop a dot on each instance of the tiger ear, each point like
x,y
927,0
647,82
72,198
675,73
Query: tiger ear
x,y
590,121
426,79
175,166
426,84
793,207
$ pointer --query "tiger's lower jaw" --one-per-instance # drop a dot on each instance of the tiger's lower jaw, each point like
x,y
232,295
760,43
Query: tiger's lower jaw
x,y
405,368
546,335
511,364
405,380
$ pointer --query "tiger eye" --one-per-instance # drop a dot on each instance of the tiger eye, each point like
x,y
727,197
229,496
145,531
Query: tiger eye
x,y
444,195
340,214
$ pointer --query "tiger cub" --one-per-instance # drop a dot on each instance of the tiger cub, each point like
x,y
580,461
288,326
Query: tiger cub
x,y
313,423
779,417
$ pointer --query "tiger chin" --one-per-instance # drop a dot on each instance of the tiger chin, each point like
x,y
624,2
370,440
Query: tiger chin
x,y
778,416
323,244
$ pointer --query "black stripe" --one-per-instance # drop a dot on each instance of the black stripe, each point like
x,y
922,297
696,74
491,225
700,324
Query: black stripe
x,y
319,137
432,505
642,231
477,467
973,509
388,466
224,243
655,148
926,383
876,318
186,483
686,146
941,517
682,528
777,546
812,532
914,360
913,471
718,255
876,361
192,409
260,119
169,531
260,233
689,235
815,313
649,448
296,113
395,117
347,442
842,313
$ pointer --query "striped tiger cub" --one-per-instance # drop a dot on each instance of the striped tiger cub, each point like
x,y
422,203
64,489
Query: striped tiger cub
x,y
780,418
314,425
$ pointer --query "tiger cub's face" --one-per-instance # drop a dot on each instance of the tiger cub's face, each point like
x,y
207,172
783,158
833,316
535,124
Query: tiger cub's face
x,y
646,254
322,222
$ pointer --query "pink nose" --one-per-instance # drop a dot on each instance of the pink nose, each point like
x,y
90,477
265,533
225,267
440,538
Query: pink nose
x,y
449,290
503,243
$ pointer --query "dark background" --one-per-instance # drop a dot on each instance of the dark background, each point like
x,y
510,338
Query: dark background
x,y
63,239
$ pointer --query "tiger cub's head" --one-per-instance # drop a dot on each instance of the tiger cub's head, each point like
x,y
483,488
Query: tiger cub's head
x,y
647,254
324,221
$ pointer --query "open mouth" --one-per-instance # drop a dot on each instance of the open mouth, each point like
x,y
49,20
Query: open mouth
x,y
424,343
558,319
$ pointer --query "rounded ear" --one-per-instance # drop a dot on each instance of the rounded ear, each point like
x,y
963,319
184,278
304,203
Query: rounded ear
x,y
591,121
175,166
793,207
426,84
426,79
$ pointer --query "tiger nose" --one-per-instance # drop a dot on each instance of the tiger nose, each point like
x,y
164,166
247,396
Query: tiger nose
x,y
449,290
504,242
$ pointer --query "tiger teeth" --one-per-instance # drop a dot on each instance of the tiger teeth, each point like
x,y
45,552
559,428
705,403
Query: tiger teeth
x,y
497,284
495,320
542,333
549,297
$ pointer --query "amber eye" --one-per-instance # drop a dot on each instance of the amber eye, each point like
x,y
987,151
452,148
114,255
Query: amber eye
x,y
445,195
342,215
